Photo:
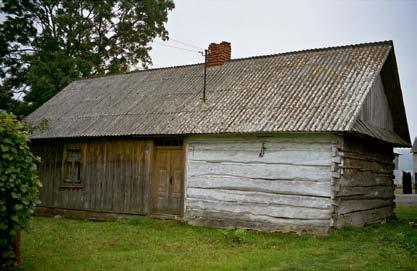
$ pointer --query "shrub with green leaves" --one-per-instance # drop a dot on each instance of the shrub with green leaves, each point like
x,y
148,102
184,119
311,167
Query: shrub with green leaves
x,y
237,236
19,185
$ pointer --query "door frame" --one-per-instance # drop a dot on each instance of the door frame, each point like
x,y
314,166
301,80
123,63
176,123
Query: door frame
x,y
153,183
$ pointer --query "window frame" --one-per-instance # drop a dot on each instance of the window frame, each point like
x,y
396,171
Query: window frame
x,y
64,182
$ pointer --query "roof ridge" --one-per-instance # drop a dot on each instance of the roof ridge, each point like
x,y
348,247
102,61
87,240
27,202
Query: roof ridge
x,y
328,48
389,42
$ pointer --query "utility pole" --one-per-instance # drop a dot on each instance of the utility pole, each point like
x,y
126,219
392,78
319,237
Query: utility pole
x,y
205,75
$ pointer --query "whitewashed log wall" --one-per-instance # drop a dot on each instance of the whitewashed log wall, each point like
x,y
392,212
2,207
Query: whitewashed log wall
x,y
364,193
229,184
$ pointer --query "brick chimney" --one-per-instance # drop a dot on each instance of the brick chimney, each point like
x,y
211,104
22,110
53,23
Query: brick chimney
x,y
218,53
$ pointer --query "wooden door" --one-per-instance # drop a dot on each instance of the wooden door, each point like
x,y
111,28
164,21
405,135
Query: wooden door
x,y
168,181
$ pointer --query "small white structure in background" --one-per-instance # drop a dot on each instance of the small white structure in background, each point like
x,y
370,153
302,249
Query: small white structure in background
x,y
403,161
398,174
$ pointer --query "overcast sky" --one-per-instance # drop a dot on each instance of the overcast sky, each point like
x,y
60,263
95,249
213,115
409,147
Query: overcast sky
x,y
267,27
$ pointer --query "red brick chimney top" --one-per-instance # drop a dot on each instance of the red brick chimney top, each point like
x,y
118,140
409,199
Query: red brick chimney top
x,y
218,53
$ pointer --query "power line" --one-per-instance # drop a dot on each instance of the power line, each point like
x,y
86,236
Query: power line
x,y
186,44
176,47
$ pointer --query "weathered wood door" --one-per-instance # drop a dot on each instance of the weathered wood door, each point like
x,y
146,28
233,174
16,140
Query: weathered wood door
x,y
168,181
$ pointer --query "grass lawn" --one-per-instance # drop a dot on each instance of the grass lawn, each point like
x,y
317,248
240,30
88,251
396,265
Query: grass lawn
x,y
142,243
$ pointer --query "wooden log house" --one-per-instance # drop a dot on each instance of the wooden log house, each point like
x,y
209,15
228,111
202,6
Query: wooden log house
x,y
300,141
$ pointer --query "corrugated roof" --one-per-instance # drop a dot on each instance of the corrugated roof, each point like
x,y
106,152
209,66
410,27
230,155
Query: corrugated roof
x,y
318,90
379,133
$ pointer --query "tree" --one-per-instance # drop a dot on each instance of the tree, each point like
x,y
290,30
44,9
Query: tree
x,y
45,44
19,187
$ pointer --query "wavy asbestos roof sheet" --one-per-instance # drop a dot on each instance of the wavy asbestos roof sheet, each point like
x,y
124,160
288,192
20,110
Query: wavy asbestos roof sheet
x,y
414,148
379,133
319,90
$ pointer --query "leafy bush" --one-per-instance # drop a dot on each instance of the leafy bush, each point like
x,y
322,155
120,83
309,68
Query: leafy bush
x,y
237,236
19,187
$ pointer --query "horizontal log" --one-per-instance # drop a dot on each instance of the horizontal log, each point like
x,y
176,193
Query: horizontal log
x,y
290,138
259,209
367,165
366,192
349,206
259,171
220,154
353,177
357,219
255,144
364,169
380,159
239,196
254,222
384,158
289,187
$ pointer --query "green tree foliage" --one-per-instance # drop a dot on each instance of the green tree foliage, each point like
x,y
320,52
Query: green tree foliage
x,y
45,44
19,185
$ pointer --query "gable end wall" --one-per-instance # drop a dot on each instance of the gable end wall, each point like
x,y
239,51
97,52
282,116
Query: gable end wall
x,y
376,110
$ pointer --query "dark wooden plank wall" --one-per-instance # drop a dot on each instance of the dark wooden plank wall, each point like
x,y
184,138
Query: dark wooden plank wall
x,y
376,110
365,191
114,176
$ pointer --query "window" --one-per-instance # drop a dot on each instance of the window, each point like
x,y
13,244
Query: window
x,y
72,166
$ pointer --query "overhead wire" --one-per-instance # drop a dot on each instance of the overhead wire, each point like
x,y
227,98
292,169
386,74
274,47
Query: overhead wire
x,y
179,48
200,50
186,44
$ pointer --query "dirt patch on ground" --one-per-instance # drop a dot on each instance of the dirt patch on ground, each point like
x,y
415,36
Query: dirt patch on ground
x,y
408,199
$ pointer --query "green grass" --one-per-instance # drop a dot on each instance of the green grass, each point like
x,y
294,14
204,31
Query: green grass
x,y
142,243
